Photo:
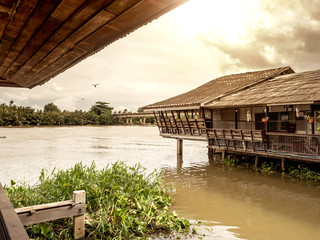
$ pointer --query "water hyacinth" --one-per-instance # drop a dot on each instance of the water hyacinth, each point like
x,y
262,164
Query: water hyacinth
x,y
122,202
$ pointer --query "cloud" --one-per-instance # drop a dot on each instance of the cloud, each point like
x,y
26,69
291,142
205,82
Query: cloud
x,y
288,33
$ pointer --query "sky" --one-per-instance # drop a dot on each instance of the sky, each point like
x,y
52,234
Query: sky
x,y
183,49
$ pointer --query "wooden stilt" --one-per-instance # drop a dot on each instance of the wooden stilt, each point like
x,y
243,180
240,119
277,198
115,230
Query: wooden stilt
x,y
223,155
283,165
179,146
256,161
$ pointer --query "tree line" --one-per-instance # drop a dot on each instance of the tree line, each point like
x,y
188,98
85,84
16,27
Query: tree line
x,y
99,114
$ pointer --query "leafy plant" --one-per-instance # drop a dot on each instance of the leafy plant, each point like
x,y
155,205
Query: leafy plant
x,y
122,202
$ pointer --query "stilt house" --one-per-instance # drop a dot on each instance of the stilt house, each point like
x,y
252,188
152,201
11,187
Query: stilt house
x,y
269,113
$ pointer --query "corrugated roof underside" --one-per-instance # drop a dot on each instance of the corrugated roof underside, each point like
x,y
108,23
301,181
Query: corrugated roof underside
x,y
39,39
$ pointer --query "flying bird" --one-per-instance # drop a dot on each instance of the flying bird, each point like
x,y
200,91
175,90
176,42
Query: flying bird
x,y
95,85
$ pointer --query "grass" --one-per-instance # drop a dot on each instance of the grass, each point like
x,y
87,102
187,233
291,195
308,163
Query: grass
x,y
122,202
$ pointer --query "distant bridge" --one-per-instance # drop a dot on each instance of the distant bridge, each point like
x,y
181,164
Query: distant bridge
x,y
130,116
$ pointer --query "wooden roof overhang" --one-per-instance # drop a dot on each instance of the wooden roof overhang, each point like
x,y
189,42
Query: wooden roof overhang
x,y
39,39
175,107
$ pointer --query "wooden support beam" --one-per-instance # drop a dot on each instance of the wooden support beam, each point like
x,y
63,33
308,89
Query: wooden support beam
x,y
179,146
184,130
283,165
256,161
188,122
11,227
175,122
170,122
223,154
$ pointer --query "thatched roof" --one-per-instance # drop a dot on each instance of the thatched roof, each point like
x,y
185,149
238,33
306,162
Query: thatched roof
x,y
41,39
297,88
218,88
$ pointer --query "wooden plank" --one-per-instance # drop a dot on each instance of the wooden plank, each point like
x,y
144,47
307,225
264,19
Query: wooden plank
x,y
199,133
96,41
169,122
184,131
164,120
175,122
46,32
13,28
252,142
216,138
81,24
185,114
10,224
35,20
224,137
48,214
68,203
31,47
234,143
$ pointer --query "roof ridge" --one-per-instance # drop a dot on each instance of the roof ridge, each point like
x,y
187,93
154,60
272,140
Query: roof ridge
x,y
281,70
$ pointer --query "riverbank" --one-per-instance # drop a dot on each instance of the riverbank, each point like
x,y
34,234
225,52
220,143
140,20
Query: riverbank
x,y
296,170
122,202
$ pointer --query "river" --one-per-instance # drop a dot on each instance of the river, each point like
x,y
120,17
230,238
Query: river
x,y
232,204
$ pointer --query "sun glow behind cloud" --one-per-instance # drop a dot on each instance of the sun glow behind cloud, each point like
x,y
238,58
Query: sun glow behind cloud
x,y
230,19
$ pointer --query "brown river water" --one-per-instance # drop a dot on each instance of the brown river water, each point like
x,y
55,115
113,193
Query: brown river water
x,y
232,204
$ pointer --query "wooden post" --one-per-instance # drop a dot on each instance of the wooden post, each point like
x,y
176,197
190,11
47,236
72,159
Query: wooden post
x,y
78,221
179,146
283,165
256,161
179,163
223,155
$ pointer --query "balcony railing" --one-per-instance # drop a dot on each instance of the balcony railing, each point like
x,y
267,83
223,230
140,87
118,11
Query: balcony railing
x,y
244,140
305,144
182,126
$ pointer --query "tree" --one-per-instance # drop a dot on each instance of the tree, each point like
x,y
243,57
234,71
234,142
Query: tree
x,y
140,110
100,108
51,107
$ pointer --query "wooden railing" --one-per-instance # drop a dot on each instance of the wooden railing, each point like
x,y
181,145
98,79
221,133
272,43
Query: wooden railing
x,y
305,144
182,126
244,140
12,220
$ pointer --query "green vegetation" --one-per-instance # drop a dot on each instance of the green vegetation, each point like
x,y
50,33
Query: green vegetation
x,y
122,202
12,115
99,114
273,166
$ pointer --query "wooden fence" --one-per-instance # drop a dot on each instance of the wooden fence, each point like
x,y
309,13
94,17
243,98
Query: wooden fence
x,y
12,220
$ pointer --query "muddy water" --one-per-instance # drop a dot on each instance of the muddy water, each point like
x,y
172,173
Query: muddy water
x,y
232,204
